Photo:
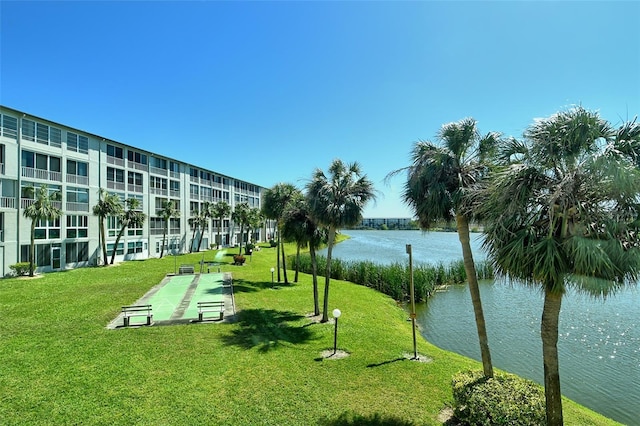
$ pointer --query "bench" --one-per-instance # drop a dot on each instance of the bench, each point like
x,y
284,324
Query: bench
x,y
136,311
210,307
186,269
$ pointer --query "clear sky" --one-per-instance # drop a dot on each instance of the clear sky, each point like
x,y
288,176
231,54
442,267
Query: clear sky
x,y
269,91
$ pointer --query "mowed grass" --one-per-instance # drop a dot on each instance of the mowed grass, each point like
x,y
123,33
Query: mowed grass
x,y
60,365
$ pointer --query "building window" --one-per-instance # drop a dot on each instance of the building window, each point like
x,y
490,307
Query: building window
x,y
134,178
77,226
194,191
8,126
140,199
43,254
115,175
115,151
28,130
136,157
77,252
157,183
134,247
133,230
47,229
113,225
77,168
78,143
119,250
48,135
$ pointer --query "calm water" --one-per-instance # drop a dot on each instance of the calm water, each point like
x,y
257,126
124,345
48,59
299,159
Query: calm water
x,y
599,344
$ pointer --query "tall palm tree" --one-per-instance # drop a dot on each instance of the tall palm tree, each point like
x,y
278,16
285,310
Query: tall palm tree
x,y
274,203
564,215
196,221
254,221
206,213
438,187
240,216
220,210
130,216
336,201
167,212
108,205
299,225
42,209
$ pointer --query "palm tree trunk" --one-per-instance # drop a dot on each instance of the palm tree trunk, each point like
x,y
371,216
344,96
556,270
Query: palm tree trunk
x,y
327,276
470,269
549,332
204,226
314,273
193,238
164,236
241,237
103,239
32,255
278,251
115,246
219,242
295,278
284,265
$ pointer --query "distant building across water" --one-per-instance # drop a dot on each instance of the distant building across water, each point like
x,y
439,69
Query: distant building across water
x,y
388,223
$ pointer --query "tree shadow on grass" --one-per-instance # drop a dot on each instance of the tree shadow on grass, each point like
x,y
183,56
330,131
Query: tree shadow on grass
x,y
267,329
376,419
243,286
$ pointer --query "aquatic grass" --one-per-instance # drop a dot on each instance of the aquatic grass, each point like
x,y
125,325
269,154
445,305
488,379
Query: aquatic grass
x,y
393,279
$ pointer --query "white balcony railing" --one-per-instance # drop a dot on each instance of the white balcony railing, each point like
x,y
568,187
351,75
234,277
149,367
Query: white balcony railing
x,y
118,186
158,171
30,172
77,207
174,174
158,191
137,166
115,160
7,202
78,180
174,193
26,202
134,188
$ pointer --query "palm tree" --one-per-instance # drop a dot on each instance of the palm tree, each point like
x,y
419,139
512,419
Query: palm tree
x,y
220,210
274,203
42,209
240,216
131,216
299,225
255,220
564,215
206,213
438,187
167,212
196,222
336,201
107,205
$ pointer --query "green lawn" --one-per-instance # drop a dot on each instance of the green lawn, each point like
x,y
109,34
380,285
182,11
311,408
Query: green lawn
x,y
60,365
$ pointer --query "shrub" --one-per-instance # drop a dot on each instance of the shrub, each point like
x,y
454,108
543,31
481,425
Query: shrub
x,y
21,268
272,243
238,259
503,400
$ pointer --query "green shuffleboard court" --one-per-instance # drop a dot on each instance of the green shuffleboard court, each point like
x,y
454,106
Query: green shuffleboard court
x,y
175,300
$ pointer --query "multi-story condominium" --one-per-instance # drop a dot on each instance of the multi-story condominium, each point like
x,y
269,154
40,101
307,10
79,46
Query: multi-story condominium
x,y
395,222
77,164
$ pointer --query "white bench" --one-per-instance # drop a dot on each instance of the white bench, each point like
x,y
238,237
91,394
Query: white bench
x,y
216,307
136,311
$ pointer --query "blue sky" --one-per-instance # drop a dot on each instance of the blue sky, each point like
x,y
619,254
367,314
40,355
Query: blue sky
x,y
269,91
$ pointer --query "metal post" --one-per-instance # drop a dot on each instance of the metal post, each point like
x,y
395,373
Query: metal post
x,y
413,301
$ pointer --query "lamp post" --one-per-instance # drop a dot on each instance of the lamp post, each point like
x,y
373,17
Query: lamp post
x,y
272,271
336,315
413,301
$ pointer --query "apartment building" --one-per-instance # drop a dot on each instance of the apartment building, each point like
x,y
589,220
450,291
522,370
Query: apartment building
x,y
76,164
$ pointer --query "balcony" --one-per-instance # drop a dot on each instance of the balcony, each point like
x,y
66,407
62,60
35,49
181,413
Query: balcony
x,y
78,180
174,174
7,202
26,202
158,171
158,191
30,172
173,193
134,188
77,207
115,160
118,186
137,166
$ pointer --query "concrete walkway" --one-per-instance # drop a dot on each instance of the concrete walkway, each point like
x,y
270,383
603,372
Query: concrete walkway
x,y
175,299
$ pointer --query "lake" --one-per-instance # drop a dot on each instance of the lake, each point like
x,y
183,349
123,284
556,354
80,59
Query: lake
x,y
599,342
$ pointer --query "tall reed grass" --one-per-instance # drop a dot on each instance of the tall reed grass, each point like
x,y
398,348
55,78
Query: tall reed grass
x,y
393,279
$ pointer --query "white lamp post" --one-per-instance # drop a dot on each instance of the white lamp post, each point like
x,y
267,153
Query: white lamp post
x,y
272,271
336,315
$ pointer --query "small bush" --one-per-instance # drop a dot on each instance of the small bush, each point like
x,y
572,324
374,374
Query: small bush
x,y
503,400
272,243
238,259
21,268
